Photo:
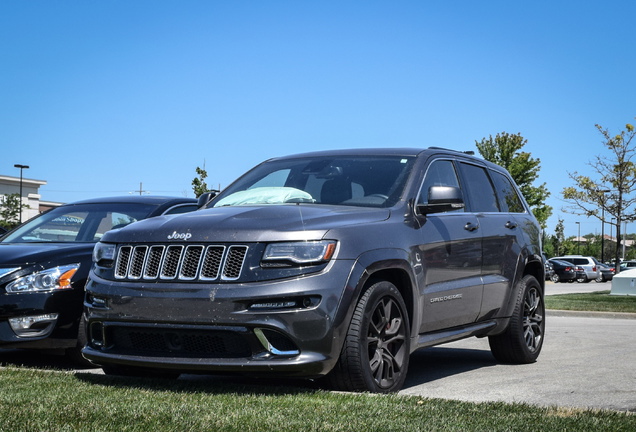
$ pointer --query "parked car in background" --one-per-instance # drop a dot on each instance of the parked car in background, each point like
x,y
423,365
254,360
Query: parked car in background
x,y
628,265
334,265
549,271
589,264
607,273
44,264
564,271
3,231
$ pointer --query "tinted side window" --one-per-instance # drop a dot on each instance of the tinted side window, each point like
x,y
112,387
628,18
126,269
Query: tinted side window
x,y
439,173
509,201
480,190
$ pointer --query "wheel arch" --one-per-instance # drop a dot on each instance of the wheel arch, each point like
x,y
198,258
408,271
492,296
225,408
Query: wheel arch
x,y
391,265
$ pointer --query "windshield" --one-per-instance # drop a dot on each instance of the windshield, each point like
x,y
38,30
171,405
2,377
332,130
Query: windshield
x,y
78,223
367,181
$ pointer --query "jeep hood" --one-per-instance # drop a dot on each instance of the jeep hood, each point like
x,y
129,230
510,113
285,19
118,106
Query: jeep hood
x,y
247,224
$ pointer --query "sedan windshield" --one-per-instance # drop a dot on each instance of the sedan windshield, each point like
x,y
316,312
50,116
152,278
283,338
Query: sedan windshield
x,y
367,181
78,223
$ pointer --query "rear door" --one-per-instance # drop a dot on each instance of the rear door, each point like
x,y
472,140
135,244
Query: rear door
x,y
495,201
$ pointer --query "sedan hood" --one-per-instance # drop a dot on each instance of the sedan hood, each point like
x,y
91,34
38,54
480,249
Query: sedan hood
x,y
247,224
27,254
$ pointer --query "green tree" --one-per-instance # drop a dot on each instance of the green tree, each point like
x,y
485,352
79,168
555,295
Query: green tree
x,y
10,210
505,151
558,238
199,186
610,194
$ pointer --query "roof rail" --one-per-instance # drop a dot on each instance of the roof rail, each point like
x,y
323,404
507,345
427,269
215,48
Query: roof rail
x,y
468,152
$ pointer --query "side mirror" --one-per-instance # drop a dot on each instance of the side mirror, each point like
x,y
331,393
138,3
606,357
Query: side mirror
x,y
205,198
441,199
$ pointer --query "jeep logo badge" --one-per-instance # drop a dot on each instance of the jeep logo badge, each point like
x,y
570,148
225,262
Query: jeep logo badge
x,y
179,236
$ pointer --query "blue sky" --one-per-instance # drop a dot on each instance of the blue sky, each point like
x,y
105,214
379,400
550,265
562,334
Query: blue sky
x,y
100,96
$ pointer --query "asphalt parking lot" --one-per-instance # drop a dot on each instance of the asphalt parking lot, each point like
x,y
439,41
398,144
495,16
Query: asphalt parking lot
x,y
587,362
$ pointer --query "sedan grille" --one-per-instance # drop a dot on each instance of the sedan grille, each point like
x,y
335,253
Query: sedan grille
x,y
187,263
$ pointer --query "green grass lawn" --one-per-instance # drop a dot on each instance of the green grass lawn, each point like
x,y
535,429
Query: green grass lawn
x,y
53,400
35,400
599,301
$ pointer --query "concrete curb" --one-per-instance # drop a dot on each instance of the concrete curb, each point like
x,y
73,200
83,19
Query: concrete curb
x,y
589,314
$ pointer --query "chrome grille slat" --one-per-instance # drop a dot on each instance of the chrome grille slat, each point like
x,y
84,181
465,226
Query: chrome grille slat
x,y
137,262
171,262
212,262
121,265
180,262
234,262
190,263
153,262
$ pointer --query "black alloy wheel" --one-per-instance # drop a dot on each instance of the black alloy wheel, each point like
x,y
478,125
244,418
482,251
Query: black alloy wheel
x,y
523,339
375,356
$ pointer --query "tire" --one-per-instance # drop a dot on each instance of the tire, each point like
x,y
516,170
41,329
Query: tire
x,y
75,354
555,278
522,341
583,279
375,355
132,371
600,279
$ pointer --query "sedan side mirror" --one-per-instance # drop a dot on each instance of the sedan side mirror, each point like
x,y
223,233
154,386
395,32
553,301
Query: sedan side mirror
x,y
441,199
205,198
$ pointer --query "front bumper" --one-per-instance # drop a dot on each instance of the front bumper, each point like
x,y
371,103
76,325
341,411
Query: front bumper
x,y
57,315
294,326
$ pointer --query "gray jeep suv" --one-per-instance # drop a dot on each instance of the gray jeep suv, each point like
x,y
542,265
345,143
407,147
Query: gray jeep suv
x,y
334,264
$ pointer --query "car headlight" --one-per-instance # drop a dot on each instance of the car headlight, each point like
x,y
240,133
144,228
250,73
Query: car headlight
x,y
46,280
103,252
307,252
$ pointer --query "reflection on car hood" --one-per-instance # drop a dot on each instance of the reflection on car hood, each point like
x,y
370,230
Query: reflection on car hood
x,y
247,224
25,254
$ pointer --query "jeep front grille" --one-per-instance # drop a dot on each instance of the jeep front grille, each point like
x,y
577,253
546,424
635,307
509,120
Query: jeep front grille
x,y
168,262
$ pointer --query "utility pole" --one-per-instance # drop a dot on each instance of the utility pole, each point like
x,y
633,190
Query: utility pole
x,y
141,189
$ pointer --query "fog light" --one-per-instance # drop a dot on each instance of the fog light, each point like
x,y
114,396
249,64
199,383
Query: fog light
x,y
33,326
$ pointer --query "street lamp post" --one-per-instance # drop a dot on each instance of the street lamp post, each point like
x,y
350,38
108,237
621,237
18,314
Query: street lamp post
x,y
578,240
22,167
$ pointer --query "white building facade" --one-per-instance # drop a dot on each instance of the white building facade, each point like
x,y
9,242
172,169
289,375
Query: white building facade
x,y
30,193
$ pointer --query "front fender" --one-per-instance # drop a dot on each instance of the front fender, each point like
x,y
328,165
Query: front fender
x,y
388,264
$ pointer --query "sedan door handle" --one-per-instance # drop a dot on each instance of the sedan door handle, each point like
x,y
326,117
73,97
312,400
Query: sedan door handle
x,y
471,226
511,225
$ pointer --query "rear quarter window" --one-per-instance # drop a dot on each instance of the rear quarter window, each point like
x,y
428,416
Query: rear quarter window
x,y
507,196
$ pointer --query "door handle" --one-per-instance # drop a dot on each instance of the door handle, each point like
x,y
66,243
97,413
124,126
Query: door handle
x,y
511,225
471,226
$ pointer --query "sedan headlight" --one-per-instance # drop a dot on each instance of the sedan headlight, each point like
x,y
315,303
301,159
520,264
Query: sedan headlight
x,y
308,252
46,280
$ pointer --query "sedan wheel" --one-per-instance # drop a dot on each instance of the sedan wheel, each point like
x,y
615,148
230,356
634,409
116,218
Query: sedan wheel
x,y
555,278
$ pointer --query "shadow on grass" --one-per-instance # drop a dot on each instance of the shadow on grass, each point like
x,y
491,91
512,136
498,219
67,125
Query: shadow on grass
x,y
426,365
211,384
40,359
